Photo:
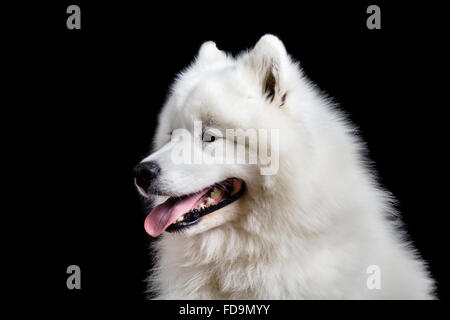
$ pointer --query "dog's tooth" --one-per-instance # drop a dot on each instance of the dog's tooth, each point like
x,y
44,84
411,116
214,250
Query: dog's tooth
x,y
216,193
202,205
180,219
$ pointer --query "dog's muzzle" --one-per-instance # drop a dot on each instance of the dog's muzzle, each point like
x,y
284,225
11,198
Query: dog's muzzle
x,y
145,174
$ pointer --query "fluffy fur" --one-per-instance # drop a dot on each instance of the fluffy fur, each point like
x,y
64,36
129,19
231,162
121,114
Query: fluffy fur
x,y
308,232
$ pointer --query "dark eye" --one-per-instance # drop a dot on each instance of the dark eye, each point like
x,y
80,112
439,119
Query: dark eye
x,y
208,137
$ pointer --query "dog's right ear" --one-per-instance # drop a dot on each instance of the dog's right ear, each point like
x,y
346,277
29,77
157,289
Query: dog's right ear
x,y
208,53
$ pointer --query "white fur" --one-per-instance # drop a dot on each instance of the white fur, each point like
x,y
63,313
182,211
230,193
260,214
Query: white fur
x,y
308,232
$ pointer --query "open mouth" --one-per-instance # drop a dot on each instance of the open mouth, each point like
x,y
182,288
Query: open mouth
x,y
177,213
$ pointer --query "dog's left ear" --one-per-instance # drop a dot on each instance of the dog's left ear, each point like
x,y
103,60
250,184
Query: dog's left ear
x,y
268,60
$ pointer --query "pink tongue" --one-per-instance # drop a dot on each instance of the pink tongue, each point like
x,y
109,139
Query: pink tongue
x,y
168,212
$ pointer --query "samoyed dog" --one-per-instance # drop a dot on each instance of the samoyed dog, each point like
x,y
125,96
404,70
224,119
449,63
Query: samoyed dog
x,y
296,214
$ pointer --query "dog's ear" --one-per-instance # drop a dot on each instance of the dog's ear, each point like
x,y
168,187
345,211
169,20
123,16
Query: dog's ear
x,y
268,60
208,53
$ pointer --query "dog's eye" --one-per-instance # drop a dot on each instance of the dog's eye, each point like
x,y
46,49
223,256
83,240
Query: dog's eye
x,y
208,137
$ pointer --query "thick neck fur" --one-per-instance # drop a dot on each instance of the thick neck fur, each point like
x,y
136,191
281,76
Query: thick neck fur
x,y
269,242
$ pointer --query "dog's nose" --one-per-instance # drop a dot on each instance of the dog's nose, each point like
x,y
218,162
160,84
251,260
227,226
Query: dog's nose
x,y
145,173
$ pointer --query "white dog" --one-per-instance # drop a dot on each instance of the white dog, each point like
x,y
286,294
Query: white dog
x,y
306,221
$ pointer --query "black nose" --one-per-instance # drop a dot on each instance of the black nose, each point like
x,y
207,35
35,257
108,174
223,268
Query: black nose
x,y
145,173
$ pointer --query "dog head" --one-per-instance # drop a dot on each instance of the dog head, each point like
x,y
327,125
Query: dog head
x,y
221,134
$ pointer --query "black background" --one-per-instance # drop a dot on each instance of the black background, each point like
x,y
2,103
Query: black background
x,y
92,97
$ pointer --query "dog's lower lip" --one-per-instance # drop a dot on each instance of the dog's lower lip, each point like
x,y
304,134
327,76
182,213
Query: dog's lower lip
x,y
195,216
